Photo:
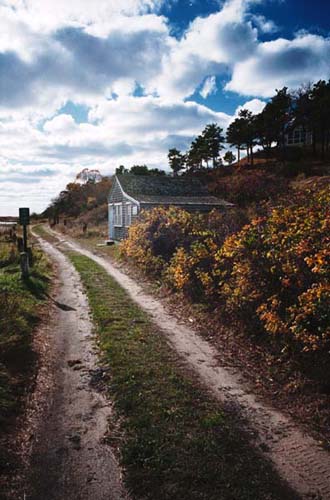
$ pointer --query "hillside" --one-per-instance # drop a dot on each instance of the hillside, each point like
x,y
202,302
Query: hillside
x,y
252,189
80,198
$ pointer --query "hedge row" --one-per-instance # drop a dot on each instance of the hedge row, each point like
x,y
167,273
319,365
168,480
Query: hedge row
x,y
272,272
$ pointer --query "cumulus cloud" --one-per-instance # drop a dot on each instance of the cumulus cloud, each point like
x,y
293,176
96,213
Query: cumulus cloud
x,y
120,61
48,15
255,106
75,63
208,46
127,130
282,62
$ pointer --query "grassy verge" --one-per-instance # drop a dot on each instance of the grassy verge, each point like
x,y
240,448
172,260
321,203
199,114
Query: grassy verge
x,y
178,443
19,314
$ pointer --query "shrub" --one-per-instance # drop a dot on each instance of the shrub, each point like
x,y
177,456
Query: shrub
x,y
152,242
273,273
277,269
180,245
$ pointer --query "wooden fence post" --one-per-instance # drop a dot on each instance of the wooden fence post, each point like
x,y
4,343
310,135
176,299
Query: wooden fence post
x,y
30,256
19,242
24,262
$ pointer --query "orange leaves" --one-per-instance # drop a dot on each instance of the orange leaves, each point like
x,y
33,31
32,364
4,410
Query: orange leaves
x,y
309,318
274,271
320,261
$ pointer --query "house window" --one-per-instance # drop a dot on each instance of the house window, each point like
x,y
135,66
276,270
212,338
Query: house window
x,y
134,210
128,220
118,214
296,136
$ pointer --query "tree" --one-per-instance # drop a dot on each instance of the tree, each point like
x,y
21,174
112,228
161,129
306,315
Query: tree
x,y
279,111
320,117
248,132
204,148
212,142
229,157
265,133
156,171
235,136
121,170
195,155
139,170
176,160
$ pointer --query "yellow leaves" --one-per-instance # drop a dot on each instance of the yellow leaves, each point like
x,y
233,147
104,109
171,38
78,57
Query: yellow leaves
x,y
273,271
320,261
177,272
310,318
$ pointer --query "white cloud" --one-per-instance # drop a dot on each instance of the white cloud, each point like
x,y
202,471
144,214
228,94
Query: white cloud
x,y
265,25
209,87
62,124
100,54
48,15
127,130
282,62
255,106
209,46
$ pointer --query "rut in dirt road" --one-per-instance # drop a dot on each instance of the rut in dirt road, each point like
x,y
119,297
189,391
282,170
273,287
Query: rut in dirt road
x,y
69,461
298,458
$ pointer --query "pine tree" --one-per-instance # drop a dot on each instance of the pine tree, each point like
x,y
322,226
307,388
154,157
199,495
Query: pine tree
x,y
176,160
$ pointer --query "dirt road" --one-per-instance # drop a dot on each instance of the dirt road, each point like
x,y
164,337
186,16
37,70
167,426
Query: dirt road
x,y
67,416
298,458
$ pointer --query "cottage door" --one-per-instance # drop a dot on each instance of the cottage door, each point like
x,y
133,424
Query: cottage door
x,y
111,222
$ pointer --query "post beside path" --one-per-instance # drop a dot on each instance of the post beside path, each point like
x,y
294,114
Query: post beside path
x,y
25,261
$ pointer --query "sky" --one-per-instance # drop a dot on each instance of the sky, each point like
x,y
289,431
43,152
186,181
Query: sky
x,y
109,82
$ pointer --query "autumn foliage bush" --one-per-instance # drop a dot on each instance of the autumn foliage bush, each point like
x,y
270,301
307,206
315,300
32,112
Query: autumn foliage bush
x,y
178,245
277,269
272,273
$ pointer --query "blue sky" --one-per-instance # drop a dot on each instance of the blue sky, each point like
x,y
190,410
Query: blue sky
x,y
103,83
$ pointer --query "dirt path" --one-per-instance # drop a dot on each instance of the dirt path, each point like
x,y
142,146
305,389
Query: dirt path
x,y
298,458
68,416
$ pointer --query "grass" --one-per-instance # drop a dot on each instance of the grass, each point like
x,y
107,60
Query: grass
x,y
176,442
20,311
19,314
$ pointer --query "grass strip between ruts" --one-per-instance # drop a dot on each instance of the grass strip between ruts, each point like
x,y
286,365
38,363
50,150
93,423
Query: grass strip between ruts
x,y
178,444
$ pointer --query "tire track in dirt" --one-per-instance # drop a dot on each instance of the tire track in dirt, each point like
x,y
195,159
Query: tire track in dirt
x,y
69,418
298,458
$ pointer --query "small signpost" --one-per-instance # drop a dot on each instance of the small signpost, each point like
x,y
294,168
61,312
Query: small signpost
x,y
24,220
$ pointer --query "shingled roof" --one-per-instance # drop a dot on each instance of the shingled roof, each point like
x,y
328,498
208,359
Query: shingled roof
x,y
164,190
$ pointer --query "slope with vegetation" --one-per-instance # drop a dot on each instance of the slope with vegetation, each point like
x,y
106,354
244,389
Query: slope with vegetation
x,y
271,273
306,108
80,199
20,311
261,175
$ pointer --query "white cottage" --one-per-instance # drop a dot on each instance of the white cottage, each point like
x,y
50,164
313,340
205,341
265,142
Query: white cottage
x,y
132,193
